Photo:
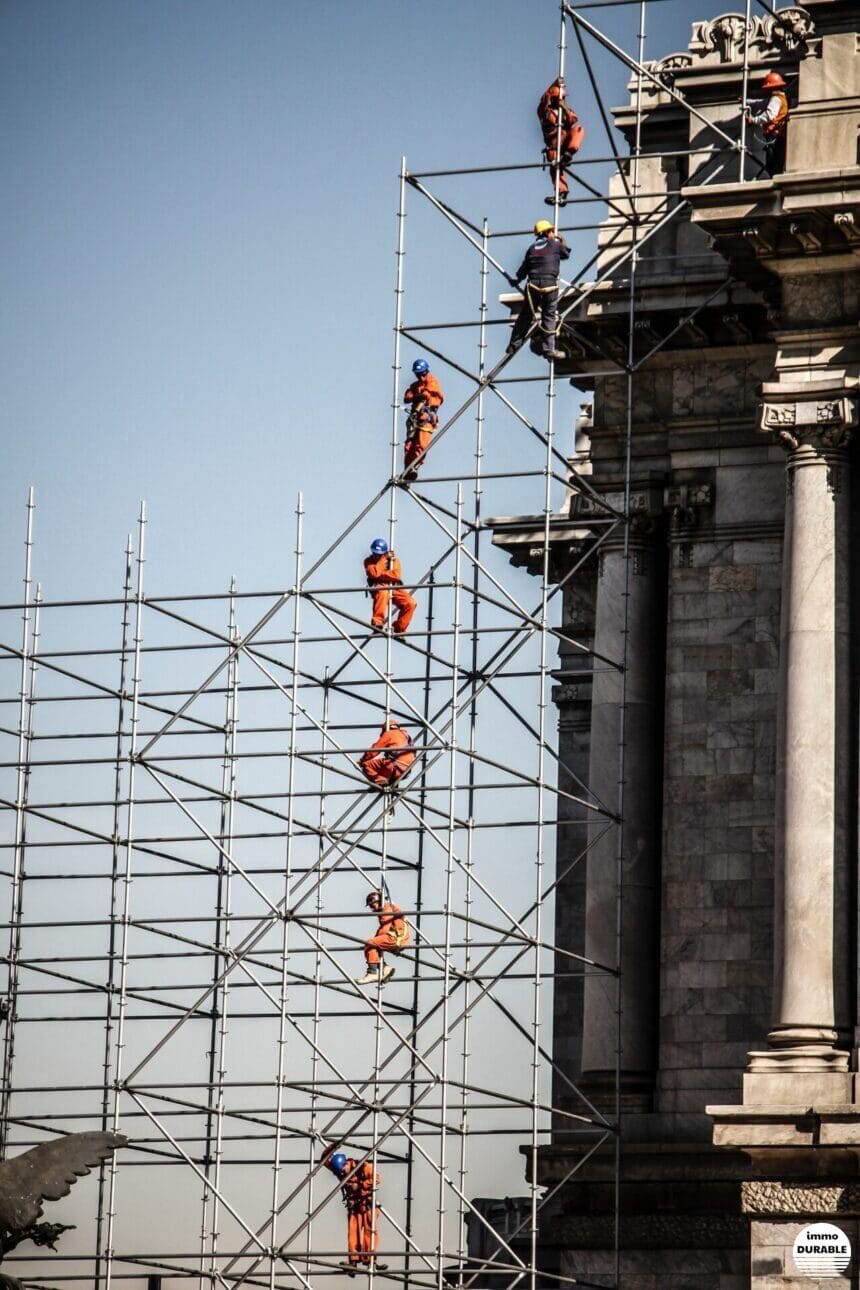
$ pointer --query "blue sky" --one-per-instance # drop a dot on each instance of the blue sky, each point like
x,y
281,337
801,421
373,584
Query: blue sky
x,y
197,270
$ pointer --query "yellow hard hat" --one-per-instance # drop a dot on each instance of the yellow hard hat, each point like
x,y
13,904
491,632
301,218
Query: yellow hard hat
x,y
543,226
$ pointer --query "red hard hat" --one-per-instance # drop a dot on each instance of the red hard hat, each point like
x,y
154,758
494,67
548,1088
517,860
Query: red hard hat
x,y
773,81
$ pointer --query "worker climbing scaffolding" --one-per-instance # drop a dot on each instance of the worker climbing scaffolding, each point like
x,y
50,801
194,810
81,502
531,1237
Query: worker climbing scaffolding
x,y
360,1182
390,758
562,137
385,581
392,937
540,267
424,397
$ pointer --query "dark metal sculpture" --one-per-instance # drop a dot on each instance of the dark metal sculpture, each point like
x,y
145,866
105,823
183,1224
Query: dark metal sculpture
x,y
45,1172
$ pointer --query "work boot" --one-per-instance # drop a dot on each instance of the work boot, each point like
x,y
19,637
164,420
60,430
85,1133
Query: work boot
x,y
377,1266
377,627
553,353
387,973
350,1267
371,975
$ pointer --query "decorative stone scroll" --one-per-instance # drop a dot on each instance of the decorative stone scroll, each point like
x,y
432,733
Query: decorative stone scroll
x,y
846,224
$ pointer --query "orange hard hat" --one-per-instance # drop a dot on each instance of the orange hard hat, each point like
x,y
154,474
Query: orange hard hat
x,y
773,81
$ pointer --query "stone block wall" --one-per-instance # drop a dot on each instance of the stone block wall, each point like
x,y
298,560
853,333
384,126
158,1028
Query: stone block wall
x,y
772,1263
716,921
705,1269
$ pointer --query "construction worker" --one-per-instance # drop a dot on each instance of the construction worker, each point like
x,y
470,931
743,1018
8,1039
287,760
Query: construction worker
x,y
385,580
425,398
562,137
360,1181
390,758
540,268
392,937
771,115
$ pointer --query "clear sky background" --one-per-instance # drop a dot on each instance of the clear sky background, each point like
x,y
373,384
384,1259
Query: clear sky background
x,y
197,235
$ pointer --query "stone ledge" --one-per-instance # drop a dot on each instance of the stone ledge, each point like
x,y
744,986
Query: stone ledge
x,y
792,1132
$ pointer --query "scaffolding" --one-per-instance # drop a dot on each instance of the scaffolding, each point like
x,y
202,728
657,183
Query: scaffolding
x,y
189,841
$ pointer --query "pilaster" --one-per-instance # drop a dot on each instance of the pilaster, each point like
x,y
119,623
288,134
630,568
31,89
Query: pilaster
x,y
624,747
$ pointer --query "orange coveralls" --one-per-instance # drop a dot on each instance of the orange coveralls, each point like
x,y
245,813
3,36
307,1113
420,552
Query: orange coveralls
x,y
362,1229
385,577
426,398
571,135
389,758
392,935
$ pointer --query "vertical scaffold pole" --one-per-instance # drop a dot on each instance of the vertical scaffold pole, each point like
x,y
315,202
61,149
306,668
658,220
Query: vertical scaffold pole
x,y
742,155
126,898
288,887
119,767
219,1021
17,885
416,923
318,963
447,948
473,743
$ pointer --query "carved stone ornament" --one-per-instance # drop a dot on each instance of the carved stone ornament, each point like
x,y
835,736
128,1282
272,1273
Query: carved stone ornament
x,y
667,68
788,30
684,502
827,423
722,40
726,34
845,222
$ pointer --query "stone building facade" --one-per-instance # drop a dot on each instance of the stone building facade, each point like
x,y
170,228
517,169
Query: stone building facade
x,y
740,606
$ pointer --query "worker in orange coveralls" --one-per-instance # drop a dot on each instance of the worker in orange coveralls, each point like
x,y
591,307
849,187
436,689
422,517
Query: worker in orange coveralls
x,y
561,142
385,579
425,398
360,1181
390,758
392,937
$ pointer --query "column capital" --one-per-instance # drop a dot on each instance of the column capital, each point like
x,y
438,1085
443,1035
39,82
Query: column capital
x,y
822,420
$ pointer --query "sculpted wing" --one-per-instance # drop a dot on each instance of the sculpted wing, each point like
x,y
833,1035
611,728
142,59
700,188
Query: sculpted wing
x,y
47,1172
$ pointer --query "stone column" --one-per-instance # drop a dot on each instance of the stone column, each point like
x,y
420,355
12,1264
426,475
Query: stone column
x,y
642,772
810,1039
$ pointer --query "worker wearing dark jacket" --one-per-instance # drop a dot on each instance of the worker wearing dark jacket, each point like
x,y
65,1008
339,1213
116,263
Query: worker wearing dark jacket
x,y
562,137
540,267
385,579
360,1182
772,118
390,758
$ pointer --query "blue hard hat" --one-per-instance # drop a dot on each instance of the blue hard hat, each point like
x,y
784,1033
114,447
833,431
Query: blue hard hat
x,y
420,366
338,1161
379,546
